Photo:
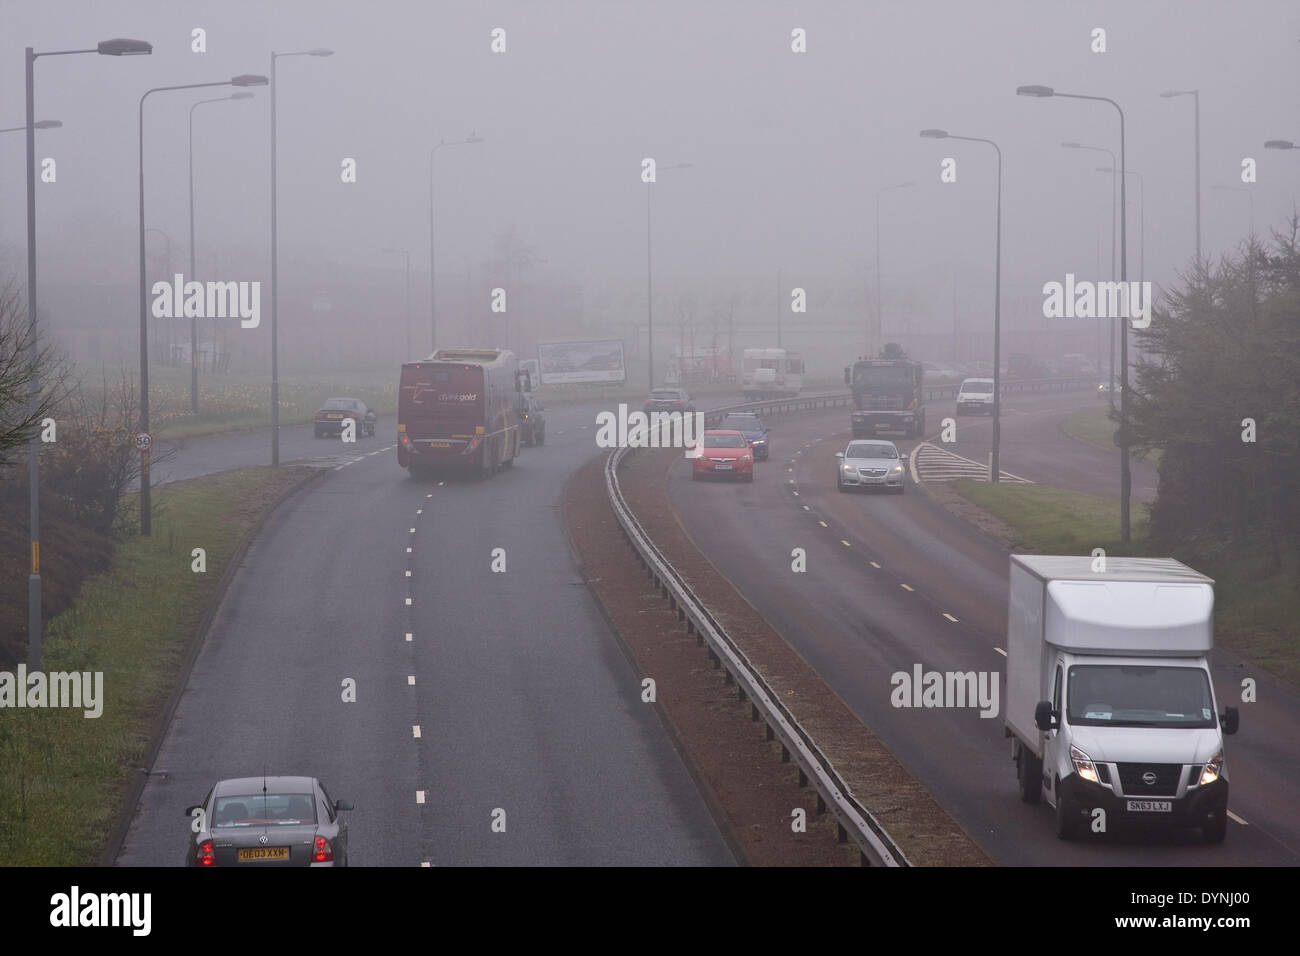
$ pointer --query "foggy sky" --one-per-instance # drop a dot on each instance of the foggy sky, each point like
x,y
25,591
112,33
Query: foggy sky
x,y
788,150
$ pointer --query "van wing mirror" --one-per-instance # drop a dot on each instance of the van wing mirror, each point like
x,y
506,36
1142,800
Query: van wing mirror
x,y
1230,718
1044,716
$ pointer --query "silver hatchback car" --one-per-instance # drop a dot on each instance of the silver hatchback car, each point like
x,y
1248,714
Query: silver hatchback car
x,y
870,463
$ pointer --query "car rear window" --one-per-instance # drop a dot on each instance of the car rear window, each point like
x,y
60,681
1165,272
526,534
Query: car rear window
x,y
271,809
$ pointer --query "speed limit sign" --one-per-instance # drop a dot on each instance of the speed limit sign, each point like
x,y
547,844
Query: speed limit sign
x,y
143,441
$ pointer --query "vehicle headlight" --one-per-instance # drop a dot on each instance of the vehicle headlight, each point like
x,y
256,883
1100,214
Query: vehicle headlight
x,y
1212,769
1083,765
849,469
896,470
744,458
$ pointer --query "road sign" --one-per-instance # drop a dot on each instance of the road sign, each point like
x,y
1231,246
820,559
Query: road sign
x,y
143,441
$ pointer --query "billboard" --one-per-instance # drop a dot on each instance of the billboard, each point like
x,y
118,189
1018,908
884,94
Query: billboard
x,y
568,363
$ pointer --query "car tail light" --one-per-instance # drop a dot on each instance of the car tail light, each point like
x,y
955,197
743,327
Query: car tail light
x,y
205,856
322,852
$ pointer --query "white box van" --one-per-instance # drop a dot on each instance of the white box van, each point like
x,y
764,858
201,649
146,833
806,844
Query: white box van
x,y
1109,699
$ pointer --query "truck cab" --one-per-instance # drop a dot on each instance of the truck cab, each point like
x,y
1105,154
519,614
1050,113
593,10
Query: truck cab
x,y
1110,700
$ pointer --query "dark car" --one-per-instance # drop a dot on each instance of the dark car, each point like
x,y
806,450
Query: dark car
x,y
331,416
752,427
669,400
532,420
268,821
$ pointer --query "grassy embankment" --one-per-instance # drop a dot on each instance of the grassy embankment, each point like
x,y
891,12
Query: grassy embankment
x,y
63,776
1255,606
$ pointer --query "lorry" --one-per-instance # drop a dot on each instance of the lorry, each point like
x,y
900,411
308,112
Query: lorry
x,y
771,373
888,396
1110,705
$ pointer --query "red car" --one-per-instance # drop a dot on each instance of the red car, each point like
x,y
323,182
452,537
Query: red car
x,y
724,452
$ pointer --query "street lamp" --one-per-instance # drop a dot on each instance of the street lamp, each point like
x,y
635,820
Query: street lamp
x,y
1111,353
118,47
1142,217
39,124
1125,475
244,79
1280,144
194,322
1196,98
995,469
407,253
649,284
872,348
275,289
433,307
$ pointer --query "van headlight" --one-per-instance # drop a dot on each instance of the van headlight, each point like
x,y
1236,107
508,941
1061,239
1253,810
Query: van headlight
x,y
1212,769
1083,765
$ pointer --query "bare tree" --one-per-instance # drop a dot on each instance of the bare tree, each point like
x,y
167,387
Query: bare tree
x,y
20,365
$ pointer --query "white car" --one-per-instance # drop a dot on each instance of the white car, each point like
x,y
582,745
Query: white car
x,y
870,463
975,395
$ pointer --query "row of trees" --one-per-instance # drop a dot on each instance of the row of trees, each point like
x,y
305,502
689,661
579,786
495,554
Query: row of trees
x,y
1218,393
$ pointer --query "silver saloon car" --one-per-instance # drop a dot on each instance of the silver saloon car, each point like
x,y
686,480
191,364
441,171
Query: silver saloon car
x,y
870,463
268,821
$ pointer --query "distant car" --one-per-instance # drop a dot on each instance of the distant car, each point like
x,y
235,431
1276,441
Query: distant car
x,y
331,416
725,453
532,420
266,822
669,400
1104,388
870,463
752,427
975,395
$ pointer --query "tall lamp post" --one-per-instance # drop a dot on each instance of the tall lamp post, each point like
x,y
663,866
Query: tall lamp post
x,y
649,282
1125,475
194,322
995,468
1110,354
117,47
246,79
1196,100
407,253
275,287
880,320
433,302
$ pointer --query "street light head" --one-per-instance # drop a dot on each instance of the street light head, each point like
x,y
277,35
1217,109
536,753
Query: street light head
x,y
934,134
320,51
241,96
906,185
1279,144
1035,91
1105,169
1072,146
248,79
1168,93
121,47
47,124
474,138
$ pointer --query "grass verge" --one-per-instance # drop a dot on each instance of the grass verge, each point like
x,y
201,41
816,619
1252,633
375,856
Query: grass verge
x,y
1256,603
63,776
1094,426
